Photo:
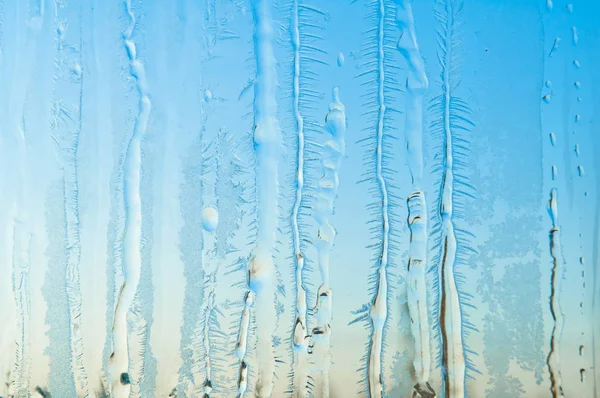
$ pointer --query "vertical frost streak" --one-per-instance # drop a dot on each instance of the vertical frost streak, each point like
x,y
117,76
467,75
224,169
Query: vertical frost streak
x,y
121,384
192,245
306,23
553,359
333,153
98,125
241,346
21,255
450,317
201,327
557,270
229,194
300,340
576,65
267,146
207,386
379,309
416,85
73,252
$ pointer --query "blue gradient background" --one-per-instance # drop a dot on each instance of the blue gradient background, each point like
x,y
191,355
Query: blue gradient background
x,y
504,66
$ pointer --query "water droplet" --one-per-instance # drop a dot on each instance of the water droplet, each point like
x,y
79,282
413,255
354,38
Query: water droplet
x,y
259,271
570,8
578,99
580,170
76,70
553,139
554,172
577,118
546,98
555,46
549,5
210,219
208,96
581,350
577,85
340,59
576,64
582,375
575,36
577,150
131,51
548,83
581,260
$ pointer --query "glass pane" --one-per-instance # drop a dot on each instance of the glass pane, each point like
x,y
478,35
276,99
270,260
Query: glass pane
x,y
268,198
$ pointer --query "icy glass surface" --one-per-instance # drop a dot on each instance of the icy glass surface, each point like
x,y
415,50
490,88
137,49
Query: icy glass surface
x,y
300,198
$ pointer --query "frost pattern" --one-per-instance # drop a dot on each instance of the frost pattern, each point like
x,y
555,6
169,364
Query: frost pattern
x,y
451,115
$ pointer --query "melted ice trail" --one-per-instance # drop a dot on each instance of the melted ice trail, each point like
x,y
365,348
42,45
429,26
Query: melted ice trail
x,y
553,360
267,147
378,313
333,154
300,338
119,359
416,85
